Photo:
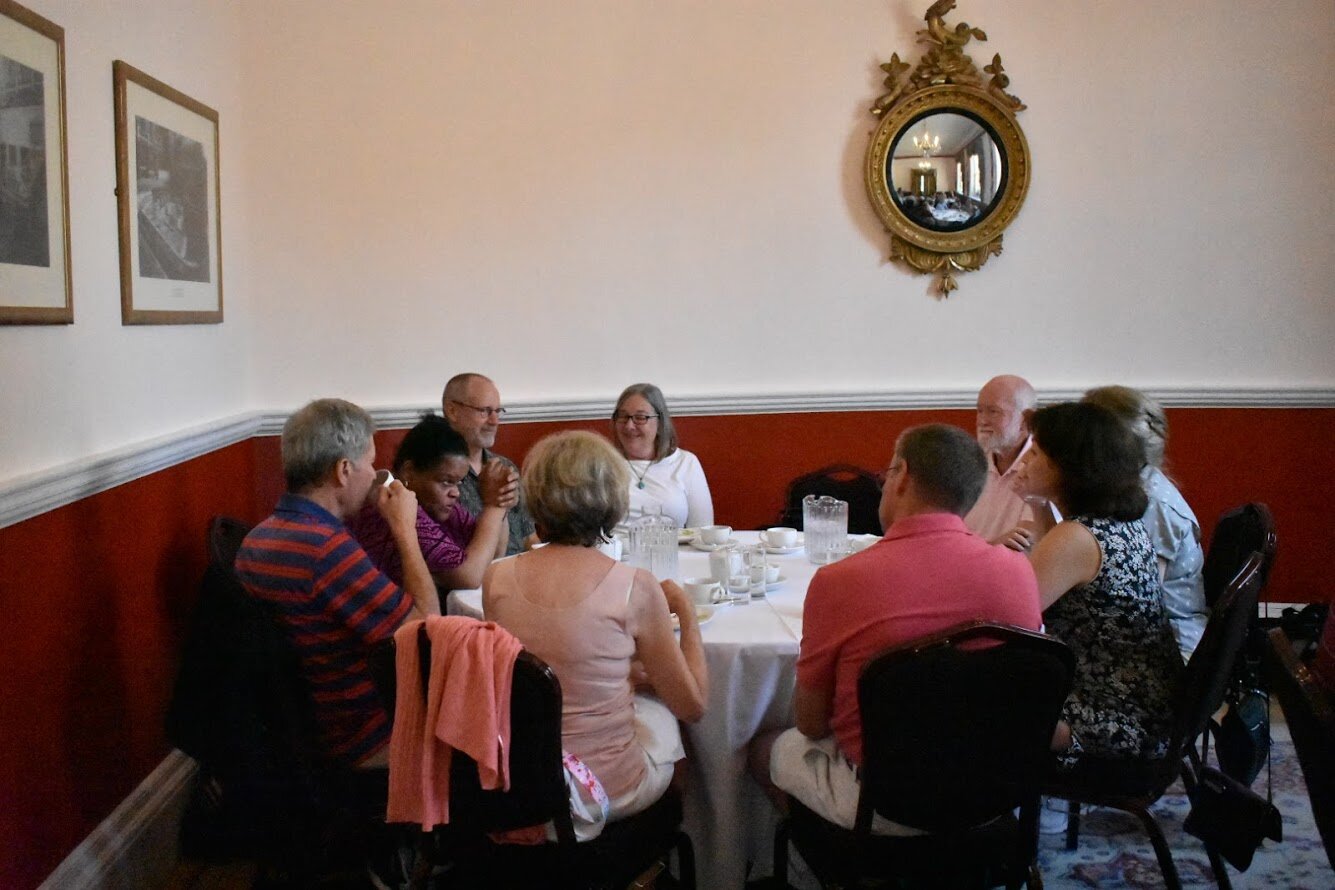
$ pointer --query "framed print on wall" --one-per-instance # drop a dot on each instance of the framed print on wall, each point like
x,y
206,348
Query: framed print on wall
x,y
35,283
168,201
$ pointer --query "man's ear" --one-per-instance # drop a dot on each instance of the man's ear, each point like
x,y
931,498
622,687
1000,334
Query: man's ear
x,y
902,481
341,472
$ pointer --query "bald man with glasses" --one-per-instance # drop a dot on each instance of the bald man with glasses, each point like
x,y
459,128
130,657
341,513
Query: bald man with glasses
x,y
472,405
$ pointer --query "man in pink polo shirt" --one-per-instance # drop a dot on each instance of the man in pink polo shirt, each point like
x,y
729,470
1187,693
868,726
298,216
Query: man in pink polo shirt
x,y
928,573
1001,515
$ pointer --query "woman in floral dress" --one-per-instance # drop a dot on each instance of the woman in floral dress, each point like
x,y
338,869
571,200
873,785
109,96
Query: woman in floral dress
x,y
1099,584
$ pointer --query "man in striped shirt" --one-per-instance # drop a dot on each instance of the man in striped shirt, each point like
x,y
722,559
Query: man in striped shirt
x,y
332,601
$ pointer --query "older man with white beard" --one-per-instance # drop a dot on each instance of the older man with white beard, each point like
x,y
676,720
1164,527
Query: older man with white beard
x,y
1001,515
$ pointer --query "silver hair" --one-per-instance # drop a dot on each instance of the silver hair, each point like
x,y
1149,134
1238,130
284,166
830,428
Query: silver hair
x,y
318,436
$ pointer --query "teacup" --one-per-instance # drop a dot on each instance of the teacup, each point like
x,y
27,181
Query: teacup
x,y
715,534
384,478
771,572
703,591
780,537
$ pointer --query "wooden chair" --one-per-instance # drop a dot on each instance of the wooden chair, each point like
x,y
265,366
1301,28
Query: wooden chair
x,y
1310,715
955,738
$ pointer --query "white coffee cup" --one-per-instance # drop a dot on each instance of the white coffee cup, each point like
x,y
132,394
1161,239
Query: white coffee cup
x,y
715,534
771,572
780,537
384,478
703,591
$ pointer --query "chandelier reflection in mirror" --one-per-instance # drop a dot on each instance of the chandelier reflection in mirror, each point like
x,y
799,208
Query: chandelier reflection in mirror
x,y
948,166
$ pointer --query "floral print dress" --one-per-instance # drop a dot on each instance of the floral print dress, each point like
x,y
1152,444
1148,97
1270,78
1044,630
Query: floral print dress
x,y
1126,662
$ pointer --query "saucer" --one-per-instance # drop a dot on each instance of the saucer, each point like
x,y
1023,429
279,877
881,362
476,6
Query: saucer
x,y
770,548
686,535
709,548
703,615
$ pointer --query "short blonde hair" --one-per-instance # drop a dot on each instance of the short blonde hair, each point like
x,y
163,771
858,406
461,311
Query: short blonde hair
x,y
577,487
1143,414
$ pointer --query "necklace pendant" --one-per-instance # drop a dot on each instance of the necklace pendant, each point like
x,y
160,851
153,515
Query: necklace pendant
x,y
640,484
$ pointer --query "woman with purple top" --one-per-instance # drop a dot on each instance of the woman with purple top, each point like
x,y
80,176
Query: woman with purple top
x,y
431,460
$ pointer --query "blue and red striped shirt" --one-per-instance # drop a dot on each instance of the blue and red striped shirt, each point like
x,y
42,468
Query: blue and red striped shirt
x,y
333,603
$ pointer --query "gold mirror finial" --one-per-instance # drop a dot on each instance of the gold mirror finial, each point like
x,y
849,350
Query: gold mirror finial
x,y
948,166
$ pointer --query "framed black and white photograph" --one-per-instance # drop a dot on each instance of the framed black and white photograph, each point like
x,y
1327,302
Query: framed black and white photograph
x,y
34,181
167,190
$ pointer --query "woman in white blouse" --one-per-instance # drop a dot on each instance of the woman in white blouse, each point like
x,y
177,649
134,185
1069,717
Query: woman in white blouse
x,y
663,477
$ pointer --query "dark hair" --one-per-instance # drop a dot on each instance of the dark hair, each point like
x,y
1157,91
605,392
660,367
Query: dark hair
x,y
1099,459
665,442
428,443
946,464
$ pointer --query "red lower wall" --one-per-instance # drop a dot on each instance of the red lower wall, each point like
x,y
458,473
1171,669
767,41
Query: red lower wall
x,y
98,594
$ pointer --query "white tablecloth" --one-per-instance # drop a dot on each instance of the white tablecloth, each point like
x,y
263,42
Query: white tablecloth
x,y
751,653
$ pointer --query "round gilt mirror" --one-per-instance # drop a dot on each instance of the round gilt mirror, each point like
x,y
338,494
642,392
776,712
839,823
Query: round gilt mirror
x,y
948,166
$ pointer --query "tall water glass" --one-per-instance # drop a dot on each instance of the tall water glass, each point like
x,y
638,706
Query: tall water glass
x,y
653,546
756,559
824,524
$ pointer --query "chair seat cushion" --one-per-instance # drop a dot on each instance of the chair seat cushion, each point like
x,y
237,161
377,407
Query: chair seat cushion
x,y
936,859
1112,780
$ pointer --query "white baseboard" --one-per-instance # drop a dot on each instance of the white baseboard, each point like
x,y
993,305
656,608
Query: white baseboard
x,y
136,846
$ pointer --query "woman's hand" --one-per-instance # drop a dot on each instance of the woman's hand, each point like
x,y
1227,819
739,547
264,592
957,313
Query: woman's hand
x,y
1020,539
678,602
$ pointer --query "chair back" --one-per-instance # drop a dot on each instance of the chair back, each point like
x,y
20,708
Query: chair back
x,y
957,727
1239,533
537,793
224,540
1211,667
846,482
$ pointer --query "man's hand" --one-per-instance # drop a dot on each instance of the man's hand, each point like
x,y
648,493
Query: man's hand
x,y
499,485
399,507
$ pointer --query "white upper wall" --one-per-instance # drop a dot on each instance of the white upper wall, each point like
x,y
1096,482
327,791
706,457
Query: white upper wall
x,y
572,196
67,392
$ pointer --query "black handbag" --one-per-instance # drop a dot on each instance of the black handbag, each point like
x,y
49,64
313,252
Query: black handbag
x,y
1242,737
1230,817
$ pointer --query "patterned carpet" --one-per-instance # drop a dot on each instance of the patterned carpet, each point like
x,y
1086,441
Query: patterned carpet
x,y
1114,851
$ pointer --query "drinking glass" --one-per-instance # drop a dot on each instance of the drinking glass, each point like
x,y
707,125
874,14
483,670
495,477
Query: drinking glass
x,y
756,559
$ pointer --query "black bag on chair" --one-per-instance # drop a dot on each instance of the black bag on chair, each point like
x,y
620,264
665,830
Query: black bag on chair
x,y
1230,817
1242,737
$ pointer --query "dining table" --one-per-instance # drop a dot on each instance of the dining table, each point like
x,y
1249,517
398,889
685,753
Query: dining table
x,y
751,654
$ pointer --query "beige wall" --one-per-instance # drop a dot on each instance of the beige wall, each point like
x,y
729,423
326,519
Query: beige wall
x,y
576,195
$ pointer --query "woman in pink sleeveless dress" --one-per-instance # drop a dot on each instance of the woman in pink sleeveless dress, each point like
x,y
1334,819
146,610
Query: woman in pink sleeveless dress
x,y
591,618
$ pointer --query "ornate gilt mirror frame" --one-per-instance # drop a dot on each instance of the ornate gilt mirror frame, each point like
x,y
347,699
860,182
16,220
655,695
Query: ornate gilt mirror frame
x,y
942,217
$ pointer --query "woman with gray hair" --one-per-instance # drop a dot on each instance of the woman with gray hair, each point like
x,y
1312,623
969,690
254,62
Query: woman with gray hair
x,y
590,618
1174,531
664,478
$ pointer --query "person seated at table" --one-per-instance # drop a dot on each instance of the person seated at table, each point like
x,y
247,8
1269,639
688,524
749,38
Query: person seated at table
x,y
1099,584
431,461
664,478
1001,515
928,573
589,616
329,597
1174,531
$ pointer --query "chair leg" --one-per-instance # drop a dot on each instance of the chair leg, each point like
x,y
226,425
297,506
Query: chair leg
x,y
1072,824
685,861
1165,856
781,853
1217,866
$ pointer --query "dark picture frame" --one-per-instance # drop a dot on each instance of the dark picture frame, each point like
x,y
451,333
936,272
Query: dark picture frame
x,y
168,201
35,282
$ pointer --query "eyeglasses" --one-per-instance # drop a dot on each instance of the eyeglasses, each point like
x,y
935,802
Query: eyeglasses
x,y
637,419
884,476
497,413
